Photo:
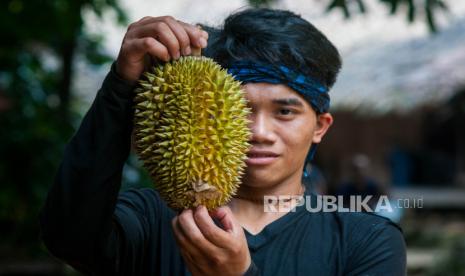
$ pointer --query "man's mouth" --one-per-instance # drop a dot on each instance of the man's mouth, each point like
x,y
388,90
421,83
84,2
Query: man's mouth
x,y
256,157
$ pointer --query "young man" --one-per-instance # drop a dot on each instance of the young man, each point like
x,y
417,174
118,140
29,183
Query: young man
x,y
287,67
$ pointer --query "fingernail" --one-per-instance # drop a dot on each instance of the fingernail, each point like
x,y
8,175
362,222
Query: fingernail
x,y
187,51
205,34
177,55
203,42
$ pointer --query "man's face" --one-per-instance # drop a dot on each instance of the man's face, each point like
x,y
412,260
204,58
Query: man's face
x,y
283,129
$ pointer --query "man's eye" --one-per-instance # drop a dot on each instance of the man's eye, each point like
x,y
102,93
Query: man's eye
x,y
285,111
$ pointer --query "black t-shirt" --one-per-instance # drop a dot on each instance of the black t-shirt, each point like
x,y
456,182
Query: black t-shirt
x,y
90,225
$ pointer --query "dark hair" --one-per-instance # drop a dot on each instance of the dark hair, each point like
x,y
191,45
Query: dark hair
x,y
275,37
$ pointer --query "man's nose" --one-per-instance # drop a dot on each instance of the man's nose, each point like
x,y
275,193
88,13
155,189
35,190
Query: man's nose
x,y
262,129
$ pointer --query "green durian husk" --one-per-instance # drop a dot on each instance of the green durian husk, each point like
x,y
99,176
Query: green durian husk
x,y
191,131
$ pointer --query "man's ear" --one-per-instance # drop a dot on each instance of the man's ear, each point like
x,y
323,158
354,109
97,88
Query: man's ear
x,y
323,122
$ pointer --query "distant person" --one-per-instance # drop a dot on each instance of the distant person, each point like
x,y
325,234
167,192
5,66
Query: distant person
x,y
287,67
401,165
359,182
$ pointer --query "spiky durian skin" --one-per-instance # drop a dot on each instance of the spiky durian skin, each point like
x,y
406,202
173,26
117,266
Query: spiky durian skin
x,y
191,132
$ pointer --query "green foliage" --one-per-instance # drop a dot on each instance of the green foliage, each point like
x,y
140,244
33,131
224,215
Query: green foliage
x,y
426,8
40,39
452,263
261,3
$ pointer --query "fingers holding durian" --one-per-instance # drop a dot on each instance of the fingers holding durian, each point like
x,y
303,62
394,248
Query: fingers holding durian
x,y
198,36
160,38
131,59
189,37
208,249
161,32
189,235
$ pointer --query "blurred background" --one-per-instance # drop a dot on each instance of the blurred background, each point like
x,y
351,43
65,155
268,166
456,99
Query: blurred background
x,y
399,108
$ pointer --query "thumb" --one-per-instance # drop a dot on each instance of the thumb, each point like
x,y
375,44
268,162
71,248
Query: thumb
x,y
225,216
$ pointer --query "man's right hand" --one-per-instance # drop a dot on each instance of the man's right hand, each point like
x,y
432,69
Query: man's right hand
x,y
162,38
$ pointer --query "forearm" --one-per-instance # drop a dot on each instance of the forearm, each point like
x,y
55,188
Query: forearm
x,y
80,204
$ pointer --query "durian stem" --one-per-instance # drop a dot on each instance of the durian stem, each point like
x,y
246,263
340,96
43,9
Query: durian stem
x,y
196,51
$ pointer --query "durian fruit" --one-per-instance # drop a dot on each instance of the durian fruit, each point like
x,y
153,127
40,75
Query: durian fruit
x,y
191,131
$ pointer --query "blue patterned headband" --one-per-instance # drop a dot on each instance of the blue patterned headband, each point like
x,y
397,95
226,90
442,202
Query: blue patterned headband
x,y
313,92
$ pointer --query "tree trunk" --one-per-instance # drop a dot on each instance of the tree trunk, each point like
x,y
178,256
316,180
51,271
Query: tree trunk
x,y
67,56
